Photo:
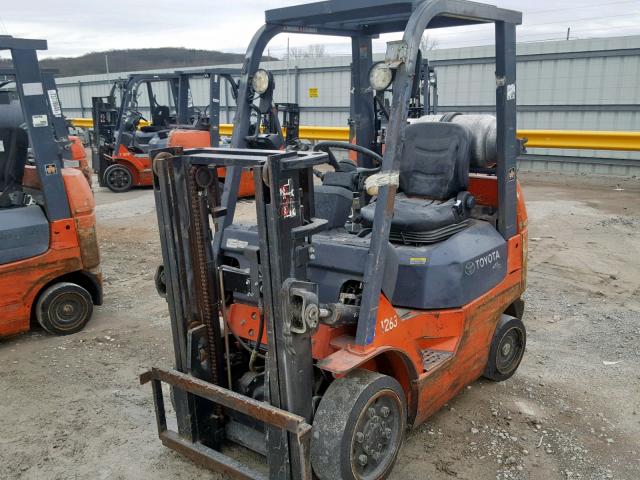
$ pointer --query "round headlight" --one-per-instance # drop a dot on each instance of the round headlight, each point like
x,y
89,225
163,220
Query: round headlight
x,y
380,76
261,81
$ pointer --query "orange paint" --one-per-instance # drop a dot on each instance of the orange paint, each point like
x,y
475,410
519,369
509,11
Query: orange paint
x,y
484,188
78,153
244,322
138,165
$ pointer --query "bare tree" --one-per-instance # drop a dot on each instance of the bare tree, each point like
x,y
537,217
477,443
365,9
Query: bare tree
x,y
295,53
427,44
311,51
316,51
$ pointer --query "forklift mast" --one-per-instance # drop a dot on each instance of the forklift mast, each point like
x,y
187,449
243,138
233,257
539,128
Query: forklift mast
x,y
42,121
290,122
430,89
423,101
215,77
104,111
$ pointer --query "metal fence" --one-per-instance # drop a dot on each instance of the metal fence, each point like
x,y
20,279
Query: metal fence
x,y
562,85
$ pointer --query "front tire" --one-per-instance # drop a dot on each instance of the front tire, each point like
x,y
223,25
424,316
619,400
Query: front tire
x,y
160,281
507,349
358,427
118,178
64,308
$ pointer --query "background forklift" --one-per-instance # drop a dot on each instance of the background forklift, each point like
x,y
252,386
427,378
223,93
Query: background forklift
x,y
122,147
359,306
49,258
11,116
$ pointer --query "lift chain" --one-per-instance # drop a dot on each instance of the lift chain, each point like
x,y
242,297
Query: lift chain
x,y
199,214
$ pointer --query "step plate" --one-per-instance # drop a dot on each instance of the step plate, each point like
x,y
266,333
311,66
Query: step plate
x,y
432,359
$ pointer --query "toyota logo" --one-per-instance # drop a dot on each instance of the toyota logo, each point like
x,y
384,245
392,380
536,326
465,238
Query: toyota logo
x,y
470,268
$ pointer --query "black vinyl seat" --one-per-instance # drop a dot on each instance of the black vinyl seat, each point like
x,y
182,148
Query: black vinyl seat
x,y
24,233
152,128
432,203
161,116
416,214
14,147
24,230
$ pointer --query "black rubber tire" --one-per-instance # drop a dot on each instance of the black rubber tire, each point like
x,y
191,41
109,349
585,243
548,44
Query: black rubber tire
x,y
160,281
507,349
118,178
335,450
64,308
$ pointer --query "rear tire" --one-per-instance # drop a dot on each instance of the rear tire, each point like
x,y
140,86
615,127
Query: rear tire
x,y
507,349
64,308
118,178
358,427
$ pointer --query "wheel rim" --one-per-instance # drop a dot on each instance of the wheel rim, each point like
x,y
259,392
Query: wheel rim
x,y
377,435
67,310
510,350
119,178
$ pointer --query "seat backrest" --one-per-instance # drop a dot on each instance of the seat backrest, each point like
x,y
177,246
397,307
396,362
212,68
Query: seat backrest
x,y
14,146
333,204
161,116
435,160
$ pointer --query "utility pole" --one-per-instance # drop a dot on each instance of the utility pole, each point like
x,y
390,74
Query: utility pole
x,y
568,32
106,62
288,77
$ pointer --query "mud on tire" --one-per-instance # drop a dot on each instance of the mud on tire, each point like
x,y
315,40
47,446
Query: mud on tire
x,y
358,427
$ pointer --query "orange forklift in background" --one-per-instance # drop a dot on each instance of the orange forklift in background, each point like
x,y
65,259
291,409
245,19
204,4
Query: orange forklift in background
x,y
123,147
49,257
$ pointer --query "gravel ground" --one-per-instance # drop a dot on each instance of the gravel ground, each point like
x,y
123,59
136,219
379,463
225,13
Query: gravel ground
x,y
72,407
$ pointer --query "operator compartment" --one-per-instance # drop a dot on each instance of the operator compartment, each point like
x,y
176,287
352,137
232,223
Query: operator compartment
x,y
448,249
444,250
24,229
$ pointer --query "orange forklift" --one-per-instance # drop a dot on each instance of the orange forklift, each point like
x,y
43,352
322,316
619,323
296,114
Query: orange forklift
x,y
49,258
121,143
123,147
357,306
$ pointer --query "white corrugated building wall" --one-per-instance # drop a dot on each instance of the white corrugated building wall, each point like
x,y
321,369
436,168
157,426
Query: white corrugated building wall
x,y
590,84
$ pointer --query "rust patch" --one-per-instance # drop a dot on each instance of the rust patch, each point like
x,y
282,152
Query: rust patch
x,y
89,246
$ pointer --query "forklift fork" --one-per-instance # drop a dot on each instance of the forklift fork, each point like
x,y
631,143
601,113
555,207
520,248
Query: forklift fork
x,y
208,457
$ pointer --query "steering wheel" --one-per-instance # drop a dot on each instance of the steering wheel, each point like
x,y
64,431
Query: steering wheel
x,y
137,114
348,167
327,146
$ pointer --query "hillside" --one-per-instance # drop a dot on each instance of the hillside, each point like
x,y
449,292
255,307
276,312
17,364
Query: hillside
x,y
135,59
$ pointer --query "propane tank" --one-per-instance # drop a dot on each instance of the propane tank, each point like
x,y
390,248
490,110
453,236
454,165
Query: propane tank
x,y
483,130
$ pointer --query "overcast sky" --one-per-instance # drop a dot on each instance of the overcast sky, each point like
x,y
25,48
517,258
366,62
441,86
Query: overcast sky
x,y
73,28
